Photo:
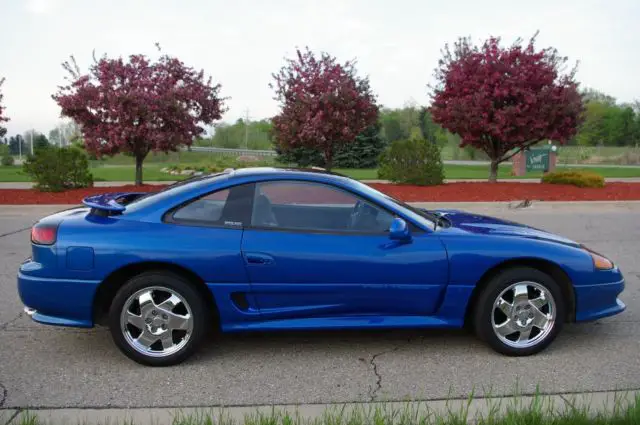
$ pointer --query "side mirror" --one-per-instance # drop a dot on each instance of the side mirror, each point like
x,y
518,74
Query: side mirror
x,y
399,230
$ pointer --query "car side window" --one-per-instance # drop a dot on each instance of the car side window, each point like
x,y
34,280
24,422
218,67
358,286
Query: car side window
x,y
297,205
229,207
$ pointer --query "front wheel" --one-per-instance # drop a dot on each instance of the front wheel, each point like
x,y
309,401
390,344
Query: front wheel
x,y
157,319
520,312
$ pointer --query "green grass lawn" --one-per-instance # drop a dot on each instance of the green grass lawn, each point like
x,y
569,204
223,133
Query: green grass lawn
x,y
481,172
622,409
450,171
183,157
116,173
112,172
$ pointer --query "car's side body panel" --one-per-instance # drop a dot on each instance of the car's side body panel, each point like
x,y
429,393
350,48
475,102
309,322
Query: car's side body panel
x,y
314,280
338,274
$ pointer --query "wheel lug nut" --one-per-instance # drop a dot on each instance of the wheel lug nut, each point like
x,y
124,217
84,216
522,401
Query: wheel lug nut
x,y
154,312
165,317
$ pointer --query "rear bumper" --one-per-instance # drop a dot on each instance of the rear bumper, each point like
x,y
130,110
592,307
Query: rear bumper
x,y
599,300
61,302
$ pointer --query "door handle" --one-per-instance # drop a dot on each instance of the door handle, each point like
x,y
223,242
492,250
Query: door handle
x,y
255,258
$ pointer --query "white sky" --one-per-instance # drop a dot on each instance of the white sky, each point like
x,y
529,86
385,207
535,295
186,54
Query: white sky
x,y
241,43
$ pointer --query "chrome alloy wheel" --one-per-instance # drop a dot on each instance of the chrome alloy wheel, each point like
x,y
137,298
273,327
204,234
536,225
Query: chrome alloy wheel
x,y
523,314
156,321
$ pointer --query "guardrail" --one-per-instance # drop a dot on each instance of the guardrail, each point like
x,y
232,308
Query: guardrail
x,y
233,152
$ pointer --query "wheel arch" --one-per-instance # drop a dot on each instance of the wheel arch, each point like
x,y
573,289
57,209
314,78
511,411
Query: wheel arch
x,y
546,266
115,280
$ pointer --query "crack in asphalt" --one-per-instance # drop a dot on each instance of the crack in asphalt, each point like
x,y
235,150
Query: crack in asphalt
x,y
14,232
374,391
3,394
4,326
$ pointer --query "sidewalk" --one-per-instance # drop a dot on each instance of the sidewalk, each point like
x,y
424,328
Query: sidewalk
x,y
603,402
28,185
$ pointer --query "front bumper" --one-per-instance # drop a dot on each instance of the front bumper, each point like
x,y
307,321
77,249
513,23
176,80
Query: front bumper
x,y
61,302
599,300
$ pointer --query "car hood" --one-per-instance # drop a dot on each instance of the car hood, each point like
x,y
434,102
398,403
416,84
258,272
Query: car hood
x,y
477,223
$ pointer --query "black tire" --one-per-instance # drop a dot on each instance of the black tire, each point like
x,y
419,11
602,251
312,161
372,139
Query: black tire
x,y
484,309
184,289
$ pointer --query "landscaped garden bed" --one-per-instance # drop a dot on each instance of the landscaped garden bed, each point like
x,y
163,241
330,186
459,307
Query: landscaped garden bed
x,y
451,192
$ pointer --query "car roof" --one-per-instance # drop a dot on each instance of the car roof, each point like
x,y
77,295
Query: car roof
x,y
284,172
197,184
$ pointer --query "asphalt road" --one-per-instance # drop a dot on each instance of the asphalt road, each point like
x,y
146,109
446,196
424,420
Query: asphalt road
x,y
43,366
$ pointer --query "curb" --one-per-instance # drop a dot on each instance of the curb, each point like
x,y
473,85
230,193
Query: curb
x,y
595,402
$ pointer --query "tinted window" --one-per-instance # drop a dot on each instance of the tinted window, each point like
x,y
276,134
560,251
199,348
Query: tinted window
x,y
172,190
314,206
227,207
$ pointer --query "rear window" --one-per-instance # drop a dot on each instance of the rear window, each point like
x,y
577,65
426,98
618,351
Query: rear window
x,y
226,207
171,190
206,209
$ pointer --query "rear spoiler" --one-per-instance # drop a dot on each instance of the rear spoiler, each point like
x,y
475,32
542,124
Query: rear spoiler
x,y
110,203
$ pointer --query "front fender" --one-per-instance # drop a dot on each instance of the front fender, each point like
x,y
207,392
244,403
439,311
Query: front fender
x,y
472,255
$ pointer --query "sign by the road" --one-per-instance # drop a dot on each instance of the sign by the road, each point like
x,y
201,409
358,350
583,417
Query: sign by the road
x,y
537,159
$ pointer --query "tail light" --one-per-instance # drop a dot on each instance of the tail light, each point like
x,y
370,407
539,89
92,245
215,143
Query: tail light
x,y
44,235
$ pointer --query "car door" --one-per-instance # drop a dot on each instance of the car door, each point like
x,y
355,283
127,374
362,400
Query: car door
x,y
316,250
206,237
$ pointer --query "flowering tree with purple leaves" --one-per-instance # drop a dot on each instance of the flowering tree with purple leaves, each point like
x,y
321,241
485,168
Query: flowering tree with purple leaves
x,y
138,105
3,117
505,99
323,104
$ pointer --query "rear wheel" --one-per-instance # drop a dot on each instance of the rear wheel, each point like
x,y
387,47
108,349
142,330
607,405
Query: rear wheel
x,y
157,319
520,312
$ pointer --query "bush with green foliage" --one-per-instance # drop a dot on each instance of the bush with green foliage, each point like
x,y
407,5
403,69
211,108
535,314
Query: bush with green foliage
x,y
8,160
55,169
574,177
218,164
362,153
300,156
413,161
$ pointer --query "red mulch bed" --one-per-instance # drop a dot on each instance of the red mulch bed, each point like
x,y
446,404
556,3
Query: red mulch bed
x,y
483,191
451,192
75,196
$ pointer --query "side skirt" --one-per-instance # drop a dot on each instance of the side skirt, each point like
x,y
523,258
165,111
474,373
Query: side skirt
x,y
352,322
235,318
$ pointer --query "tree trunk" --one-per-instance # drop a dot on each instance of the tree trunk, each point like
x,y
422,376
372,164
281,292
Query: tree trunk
x,y
139,160
328,159
493,172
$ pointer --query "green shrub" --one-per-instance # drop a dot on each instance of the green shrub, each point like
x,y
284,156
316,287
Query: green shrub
x,y
576,178
7,160
413,161
56,169
362,153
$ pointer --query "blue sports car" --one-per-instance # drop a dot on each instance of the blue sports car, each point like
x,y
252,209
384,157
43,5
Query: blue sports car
x,y
277,249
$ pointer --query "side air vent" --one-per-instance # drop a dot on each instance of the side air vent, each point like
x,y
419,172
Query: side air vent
x,y
240,300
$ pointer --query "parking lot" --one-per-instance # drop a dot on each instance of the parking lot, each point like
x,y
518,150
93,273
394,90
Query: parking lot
x,y
42,366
